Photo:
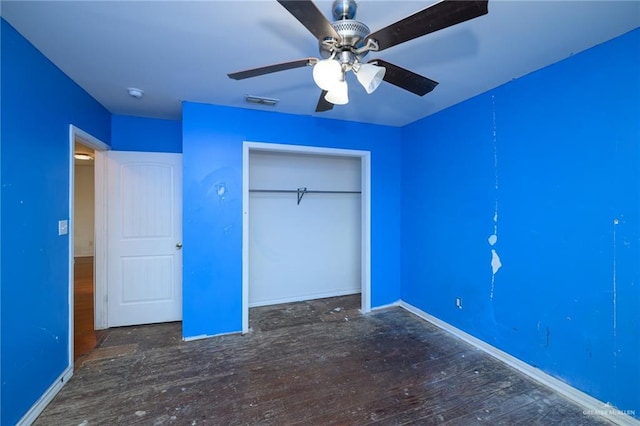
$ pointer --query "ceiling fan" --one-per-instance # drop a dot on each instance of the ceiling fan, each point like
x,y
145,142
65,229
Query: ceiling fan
x,y
345,42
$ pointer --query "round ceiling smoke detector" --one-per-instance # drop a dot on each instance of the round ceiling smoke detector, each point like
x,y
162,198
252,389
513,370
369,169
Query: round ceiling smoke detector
x,y
135,93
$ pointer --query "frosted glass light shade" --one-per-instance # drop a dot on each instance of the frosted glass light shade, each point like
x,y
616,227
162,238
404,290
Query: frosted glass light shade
x,y
82,156
327,73
339,94
370,76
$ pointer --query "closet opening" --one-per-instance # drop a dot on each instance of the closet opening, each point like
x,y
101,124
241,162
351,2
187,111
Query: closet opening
x,y
306,225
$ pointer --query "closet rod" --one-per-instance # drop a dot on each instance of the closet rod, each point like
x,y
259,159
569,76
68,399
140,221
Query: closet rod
x,y
302,191
294,191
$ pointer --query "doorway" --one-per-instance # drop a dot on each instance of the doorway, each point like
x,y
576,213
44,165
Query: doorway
x,y
84,334
86,241
361,261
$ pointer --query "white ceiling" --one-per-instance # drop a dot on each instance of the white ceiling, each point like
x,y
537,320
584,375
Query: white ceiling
x,y
182,51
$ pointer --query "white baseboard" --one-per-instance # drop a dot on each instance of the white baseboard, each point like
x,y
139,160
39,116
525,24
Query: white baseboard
x,y
209,336
304,297
46,398
387,306
591,405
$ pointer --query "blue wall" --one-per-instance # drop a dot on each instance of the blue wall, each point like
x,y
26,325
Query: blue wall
x,y
38,104
563,146
212,155
145,134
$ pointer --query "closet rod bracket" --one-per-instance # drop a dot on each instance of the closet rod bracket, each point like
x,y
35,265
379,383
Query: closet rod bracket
x,y
301,192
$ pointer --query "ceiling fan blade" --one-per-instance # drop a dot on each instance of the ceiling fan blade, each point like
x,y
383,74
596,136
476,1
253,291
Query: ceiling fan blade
x,y
323,104
283,66
440,15
310,16
405,79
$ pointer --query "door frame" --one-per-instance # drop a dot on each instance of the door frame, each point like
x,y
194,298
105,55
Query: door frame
x,y
365,222
100,228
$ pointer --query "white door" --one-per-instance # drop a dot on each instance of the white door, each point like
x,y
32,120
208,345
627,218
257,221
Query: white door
x,y
144,196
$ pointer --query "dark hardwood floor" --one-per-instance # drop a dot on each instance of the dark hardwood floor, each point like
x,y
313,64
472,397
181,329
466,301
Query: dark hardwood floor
x,y
310,363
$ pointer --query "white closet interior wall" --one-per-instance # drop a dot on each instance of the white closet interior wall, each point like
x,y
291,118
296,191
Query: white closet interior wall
x,y
308,250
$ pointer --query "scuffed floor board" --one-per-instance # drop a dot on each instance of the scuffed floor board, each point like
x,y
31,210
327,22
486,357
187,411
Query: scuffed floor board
x,y
315,362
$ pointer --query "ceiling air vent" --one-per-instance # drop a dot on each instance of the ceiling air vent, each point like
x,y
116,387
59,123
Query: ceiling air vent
x,y
259,100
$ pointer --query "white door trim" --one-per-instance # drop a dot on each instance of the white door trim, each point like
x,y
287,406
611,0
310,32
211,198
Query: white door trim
x,y
100,246
365,161
100,224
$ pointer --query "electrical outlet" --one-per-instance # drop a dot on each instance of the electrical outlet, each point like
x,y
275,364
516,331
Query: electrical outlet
x,y
459,302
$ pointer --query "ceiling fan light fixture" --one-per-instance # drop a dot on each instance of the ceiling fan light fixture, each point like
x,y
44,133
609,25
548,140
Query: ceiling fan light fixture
x,y
339,94
344,43
327,73
370,76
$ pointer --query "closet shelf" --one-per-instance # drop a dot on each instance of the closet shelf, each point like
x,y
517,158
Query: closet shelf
x,y
302,191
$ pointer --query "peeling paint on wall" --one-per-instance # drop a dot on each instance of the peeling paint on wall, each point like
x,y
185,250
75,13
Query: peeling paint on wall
x,y
496,264
493,238
221,190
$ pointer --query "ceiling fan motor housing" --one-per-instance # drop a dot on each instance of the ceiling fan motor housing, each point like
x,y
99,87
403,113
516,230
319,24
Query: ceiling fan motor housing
x,y
352,33
344,9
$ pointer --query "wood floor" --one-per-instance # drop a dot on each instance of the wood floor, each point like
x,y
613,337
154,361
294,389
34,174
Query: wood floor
x,y
85,338
308,363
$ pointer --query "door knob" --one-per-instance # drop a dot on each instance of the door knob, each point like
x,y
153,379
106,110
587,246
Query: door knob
x,y
178,246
